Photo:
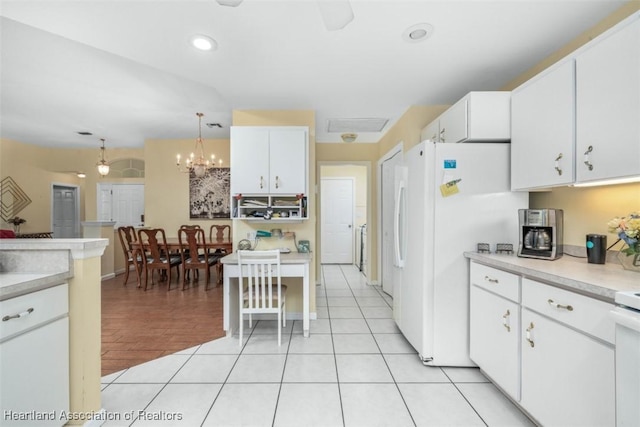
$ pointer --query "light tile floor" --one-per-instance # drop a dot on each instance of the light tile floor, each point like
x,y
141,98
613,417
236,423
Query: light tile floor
x,y
355,369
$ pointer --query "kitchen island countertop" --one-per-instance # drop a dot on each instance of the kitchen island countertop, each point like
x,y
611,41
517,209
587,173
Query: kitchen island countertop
x,y
600,281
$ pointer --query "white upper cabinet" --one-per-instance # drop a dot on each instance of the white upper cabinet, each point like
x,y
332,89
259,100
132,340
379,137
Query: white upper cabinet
x,y
269,160
579,121
608,107
542,130
478,117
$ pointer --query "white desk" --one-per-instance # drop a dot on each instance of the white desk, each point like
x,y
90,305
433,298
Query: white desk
x,y
293,264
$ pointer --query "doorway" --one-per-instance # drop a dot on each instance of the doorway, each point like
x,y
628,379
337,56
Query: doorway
x,y
337,195
359,174
122,203
65,218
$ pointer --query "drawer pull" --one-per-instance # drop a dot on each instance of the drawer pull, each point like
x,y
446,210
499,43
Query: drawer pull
x,y
490,279
17,316
505,321
554,304
531,343
261,182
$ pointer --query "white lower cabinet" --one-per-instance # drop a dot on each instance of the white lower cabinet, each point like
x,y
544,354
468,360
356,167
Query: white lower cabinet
x,y
495,338
568,378
549,349
34,359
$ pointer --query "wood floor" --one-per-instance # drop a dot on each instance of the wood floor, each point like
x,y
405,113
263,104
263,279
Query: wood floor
x,y
138,325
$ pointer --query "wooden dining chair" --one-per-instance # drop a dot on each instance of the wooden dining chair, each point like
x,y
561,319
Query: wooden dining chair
x,y
263,291
220,233
194,256
127,236
156,255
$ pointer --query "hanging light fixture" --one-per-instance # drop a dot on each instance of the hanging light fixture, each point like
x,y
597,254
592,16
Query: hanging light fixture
x,y
103,165
199,165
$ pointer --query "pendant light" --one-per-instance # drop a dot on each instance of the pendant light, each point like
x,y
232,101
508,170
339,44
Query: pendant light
x,y
103,165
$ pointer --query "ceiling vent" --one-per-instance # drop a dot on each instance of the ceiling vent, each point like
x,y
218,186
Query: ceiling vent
x,y
356,125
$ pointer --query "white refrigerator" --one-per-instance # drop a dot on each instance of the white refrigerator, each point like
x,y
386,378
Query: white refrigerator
x,y
449,197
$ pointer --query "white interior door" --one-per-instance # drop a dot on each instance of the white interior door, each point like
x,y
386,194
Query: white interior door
x,y
122,203
387,169
337,234
66,222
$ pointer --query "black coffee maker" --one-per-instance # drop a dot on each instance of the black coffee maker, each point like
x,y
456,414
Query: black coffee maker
x,y
540,233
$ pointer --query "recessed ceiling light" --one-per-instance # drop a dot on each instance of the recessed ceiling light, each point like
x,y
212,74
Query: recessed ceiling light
x,y
202,42
81,175
417,33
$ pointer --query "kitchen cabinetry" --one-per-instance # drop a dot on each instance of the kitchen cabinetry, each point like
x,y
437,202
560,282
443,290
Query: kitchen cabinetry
x,y
608,107
495,326
479,117
558,365
577,122
568,371
34,357
542,130
269,160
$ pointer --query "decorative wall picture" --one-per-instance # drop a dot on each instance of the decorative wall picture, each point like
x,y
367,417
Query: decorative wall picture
x,y
13,199
209,195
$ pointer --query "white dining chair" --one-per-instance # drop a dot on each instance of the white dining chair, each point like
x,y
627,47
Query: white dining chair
x,y
263,291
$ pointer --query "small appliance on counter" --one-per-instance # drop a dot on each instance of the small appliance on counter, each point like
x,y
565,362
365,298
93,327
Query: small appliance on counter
x,y
540,233
596,248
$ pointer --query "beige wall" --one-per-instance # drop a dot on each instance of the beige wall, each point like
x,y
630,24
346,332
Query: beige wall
x,y
166,192
35,169
587,210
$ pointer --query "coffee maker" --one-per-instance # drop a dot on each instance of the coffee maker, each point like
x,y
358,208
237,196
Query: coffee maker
x,y
540,233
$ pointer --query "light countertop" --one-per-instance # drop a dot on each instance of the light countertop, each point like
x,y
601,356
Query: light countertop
x,y
600,281
16,284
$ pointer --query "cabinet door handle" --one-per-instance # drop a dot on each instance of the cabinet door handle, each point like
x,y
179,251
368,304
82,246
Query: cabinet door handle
x,y
17,316
442,139
554,304
558,168
277,180
505,321
261,182
586,157
491,279
531,343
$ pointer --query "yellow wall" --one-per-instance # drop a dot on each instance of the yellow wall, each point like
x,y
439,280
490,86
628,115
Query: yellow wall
x,y
166,192
35,169
587,210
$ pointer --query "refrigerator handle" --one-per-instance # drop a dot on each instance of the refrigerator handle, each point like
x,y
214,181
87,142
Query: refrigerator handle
x,y
398,225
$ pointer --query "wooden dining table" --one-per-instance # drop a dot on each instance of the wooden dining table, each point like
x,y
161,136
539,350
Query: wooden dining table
x,y
173,245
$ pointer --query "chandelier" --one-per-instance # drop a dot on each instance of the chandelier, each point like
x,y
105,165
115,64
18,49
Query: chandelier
x,y
197,162
103,165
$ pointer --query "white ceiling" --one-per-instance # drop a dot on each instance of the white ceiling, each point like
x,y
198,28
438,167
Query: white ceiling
x,y
124,70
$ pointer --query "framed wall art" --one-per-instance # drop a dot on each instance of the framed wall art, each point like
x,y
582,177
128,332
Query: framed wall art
x,y
209,195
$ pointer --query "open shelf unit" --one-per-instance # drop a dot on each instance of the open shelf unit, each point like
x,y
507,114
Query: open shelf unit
x,y
281,207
